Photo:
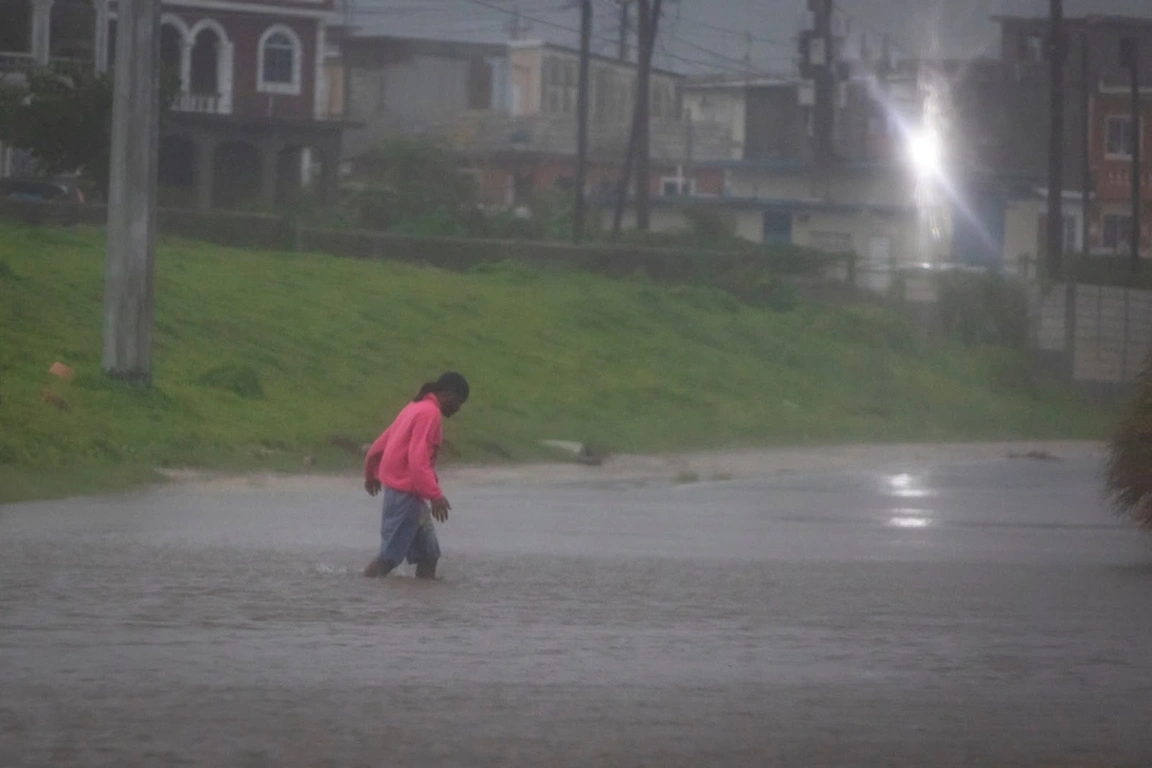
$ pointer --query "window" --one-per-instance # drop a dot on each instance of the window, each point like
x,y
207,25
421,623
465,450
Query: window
x,y
1117,232
600,80
16,31
553,86
1118,137
1032,48
560,86
278,55
1071,243
479,84
571,77
831,242
279,66
672,186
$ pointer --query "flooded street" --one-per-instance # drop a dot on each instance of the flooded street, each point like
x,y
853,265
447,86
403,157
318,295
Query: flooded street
x,y
926,612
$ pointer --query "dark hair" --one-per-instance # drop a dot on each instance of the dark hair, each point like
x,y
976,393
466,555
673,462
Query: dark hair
x,y
448,382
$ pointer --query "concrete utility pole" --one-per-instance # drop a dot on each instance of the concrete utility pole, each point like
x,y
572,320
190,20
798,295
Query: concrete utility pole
x,y
578,214
1056,54
1130,55
128,290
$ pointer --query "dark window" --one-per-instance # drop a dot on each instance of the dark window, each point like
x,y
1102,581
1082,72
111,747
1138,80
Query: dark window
x,y
205,76
71,25
480,84
170,39
1117,232
1118,137
279,58
16,31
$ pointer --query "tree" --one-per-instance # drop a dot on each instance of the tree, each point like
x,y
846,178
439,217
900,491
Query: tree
x,y
1128,476
63,117
413,183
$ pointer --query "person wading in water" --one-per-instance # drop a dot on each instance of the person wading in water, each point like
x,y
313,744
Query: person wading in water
x,y
402,463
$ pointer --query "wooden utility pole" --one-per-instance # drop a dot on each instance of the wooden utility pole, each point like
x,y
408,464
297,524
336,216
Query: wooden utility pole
x,y
1086,182
649,11
638,134
625,180
1070,266
622,53
128,289
1130,53
578,213
822,60
1056,52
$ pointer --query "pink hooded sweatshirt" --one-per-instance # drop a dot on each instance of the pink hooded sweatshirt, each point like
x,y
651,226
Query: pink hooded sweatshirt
x,y
403,458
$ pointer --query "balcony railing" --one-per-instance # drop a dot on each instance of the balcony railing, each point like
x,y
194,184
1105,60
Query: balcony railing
x,y
13,61
18,61
200,103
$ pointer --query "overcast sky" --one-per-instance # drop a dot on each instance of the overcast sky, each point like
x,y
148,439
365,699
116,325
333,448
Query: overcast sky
x,y
713,35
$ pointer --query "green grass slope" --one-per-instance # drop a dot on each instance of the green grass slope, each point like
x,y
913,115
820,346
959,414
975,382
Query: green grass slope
x,y
262,359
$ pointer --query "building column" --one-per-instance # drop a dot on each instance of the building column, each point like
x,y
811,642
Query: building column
x,y
320,79
269,167
100,36
306,161
224,76
205,172
41,31
185,65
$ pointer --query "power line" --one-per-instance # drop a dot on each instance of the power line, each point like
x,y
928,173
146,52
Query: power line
x,y
719,56
742,70
735,33
734,66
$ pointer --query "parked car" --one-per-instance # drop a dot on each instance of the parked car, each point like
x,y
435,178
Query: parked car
x,y
41,190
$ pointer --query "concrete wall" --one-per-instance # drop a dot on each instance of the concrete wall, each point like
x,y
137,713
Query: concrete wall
x,y
859,233
725,107
859,188
1021,235
775,124
1113,331
403,96
527,85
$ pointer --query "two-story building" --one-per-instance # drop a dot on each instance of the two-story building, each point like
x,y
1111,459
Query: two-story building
x,y
1014,111
251,119
864,200
1113,137
510,111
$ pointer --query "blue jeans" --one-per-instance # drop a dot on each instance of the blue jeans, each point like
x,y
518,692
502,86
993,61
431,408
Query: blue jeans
x,y
406,530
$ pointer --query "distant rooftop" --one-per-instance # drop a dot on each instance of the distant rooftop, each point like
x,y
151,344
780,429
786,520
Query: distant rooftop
x,y
1095,18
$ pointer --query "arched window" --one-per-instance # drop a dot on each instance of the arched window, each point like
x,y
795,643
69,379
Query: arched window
x,y
279,66
205,63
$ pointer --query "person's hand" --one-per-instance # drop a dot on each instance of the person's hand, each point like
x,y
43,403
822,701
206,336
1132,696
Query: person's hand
x,y
440,509
372,485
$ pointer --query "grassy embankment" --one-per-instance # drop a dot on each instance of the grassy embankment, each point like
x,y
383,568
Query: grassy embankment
x,y
263,359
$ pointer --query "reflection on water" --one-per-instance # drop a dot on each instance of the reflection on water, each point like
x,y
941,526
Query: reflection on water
x,y
903,521
906,486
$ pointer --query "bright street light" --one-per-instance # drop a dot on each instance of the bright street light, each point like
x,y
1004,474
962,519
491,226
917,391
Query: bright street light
x,y
926,152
